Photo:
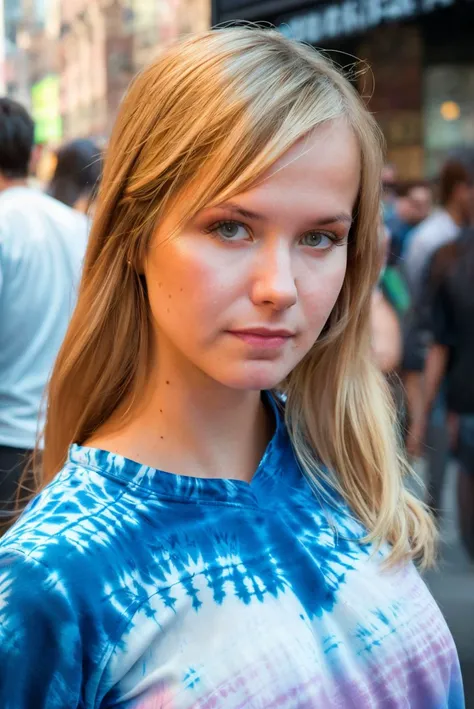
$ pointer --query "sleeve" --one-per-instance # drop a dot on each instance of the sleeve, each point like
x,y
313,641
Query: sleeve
x,y
419,331
40,649
417,334
442,317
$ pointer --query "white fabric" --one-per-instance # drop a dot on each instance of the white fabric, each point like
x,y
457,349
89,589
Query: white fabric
x,y
42,245
435,231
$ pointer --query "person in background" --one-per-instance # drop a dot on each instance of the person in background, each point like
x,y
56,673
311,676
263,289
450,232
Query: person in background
x,y
223,520
441,227
389,189
77,174
412,206
385,319
42,244
386,333
451,358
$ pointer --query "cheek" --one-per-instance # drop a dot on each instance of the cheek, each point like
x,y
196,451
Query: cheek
x,y
186,284
321,293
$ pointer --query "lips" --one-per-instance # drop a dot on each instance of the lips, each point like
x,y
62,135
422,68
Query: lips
x,y
263,338
264,332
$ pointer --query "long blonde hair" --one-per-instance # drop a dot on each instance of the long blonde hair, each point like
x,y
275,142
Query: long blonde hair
x,y
209,117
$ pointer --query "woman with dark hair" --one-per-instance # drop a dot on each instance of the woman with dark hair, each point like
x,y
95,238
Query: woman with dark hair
x,y
77,174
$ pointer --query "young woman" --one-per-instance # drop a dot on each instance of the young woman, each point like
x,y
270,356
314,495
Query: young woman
x,y
202,540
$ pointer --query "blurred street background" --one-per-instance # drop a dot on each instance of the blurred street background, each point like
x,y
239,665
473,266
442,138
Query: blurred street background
x,y
69,62
452,584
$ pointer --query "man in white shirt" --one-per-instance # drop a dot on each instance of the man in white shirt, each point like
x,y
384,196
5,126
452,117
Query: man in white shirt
x,y
42,245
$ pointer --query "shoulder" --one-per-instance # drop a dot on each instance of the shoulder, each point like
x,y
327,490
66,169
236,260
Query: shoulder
x,y
438,225
72,546
442,261
425,229
449,260
38,629
27,584
77,529
52,647
19,201
69,517
25,212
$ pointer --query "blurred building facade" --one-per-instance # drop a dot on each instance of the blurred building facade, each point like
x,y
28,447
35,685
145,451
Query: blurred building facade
x,y
10,12
70,61
420,52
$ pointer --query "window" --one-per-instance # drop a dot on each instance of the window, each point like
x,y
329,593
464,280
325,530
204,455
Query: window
x,y
448,111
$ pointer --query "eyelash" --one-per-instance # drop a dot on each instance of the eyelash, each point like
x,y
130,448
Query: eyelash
x,y
213,231
214,228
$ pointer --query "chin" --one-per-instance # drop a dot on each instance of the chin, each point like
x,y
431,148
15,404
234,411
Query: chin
x,y
254,376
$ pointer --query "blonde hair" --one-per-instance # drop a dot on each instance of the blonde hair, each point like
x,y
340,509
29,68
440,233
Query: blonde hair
x,y
209,117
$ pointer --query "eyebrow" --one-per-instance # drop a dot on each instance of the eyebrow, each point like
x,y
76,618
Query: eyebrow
x,y
341,217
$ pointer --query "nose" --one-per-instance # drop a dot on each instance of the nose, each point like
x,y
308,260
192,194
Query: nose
x,y
274,282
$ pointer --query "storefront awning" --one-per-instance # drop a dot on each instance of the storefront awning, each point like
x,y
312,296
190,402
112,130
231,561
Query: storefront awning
x,y
320,21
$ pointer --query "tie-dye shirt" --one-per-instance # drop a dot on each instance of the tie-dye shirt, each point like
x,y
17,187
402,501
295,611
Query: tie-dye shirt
x,y
127,587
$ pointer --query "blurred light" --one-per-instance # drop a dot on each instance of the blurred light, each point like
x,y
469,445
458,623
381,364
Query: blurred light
x,y
450,110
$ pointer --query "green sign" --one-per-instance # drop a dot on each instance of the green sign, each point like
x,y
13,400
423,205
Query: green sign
x,y
46,109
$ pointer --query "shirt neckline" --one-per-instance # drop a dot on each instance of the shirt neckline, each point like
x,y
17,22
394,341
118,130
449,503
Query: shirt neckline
x,y
184,488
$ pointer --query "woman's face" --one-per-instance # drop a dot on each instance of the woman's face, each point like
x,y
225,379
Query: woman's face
x,y
243,291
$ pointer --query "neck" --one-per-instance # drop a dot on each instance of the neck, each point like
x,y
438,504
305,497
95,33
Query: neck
x,y
7,183
190,424
456,214
82,205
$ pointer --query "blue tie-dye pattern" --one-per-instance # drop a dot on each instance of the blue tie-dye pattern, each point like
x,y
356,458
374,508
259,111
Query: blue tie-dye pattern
x,y
191,678
122,583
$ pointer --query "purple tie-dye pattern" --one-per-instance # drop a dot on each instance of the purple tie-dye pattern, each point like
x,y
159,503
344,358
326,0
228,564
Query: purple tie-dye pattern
x,y
135,588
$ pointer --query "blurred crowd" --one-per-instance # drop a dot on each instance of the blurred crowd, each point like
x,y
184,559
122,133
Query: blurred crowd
x,y
426,330
422,307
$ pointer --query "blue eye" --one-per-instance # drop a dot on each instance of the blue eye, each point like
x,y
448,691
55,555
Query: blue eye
x,y
229,231
318,240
